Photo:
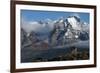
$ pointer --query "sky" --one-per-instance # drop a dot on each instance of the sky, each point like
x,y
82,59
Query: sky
x,y
36,15
30,18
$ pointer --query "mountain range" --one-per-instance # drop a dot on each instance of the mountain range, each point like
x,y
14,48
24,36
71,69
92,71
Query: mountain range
x,y
49,33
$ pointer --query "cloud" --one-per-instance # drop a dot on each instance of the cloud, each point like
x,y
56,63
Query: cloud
x,y
29,26
83,44
79,44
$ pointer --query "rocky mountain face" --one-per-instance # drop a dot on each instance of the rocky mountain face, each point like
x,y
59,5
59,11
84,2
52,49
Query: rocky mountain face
x,y
69,30
24,37
60,32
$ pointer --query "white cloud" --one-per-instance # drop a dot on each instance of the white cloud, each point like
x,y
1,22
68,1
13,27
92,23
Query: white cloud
x,y
29,26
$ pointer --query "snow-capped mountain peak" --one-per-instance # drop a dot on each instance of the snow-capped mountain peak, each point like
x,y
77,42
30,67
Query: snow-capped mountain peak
x,y
74,22
62,29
